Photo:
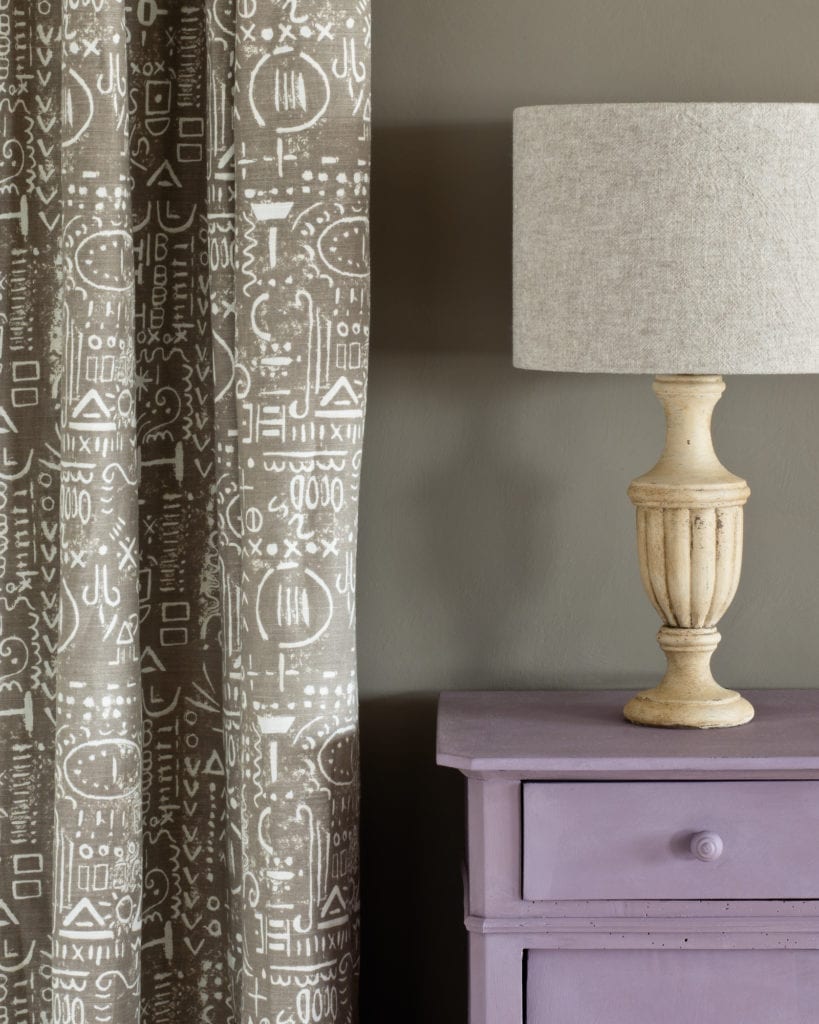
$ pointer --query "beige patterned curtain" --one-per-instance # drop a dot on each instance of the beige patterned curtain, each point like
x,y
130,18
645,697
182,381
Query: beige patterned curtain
x,y
184,299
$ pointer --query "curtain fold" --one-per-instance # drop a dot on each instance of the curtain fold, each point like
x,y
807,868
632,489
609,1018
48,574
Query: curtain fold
x,y
184,325
97,854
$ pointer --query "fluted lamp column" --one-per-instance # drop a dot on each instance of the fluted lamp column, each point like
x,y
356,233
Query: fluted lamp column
x,y
679,240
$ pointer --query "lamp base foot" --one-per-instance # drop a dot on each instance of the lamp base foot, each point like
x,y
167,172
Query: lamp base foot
x,y
652,708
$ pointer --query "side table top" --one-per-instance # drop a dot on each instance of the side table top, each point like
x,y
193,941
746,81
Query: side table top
x,y
555,732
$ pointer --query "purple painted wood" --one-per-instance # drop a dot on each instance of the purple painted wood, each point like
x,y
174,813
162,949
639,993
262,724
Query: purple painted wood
x,y
546,734
493,961
494,834
504,741
632,840
714,928
643,987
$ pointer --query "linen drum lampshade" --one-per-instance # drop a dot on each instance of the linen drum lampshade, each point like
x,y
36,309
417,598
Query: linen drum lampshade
x,y
667,238
680,240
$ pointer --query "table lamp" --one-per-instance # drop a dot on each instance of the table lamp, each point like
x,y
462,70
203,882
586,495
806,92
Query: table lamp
x,y
679,240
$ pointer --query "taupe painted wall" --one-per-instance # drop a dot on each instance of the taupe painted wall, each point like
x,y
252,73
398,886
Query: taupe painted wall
x,y
497,543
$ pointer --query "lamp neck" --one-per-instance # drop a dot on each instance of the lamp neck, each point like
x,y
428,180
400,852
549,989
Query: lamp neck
x,y
689,402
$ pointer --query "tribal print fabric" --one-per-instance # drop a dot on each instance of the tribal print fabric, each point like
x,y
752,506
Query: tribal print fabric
x,y
184,326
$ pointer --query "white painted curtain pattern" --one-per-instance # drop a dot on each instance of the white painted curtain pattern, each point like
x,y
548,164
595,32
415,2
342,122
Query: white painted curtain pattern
x,y
184,300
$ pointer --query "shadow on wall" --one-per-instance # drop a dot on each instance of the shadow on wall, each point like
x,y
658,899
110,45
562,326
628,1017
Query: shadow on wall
x,y
414,943
442,237
441,282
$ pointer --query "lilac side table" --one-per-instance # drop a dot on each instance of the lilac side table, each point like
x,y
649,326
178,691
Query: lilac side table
x,y
622,875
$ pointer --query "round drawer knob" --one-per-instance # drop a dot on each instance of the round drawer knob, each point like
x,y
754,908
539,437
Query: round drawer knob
x,y
706,846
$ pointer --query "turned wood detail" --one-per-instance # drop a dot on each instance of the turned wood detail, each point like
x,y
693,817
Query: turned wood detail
x,y
689,541
690,562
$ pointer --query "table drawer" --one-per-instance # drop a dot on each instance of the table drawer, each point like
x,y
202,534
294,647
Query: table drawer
x,y
632,840
644,986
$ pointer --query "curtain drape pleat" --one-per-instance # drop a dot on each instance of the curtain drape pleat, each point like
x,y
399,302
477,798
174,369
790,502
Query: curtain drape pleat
x,y
184,326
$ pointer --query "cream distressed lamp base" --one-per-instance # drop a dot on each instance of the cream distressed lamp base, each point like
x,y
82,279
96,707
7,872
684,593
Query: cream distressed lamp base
x,y
689,536
688,695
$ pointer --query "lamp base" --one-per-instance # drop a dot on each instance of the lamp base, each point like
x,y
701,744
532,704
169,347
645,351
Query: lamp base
x,y
689,537
688,695
650,708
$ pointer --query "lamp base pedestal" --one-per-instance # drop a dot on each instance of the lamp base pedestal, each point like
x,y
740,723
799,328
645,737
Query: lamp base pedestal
x,y
689,538
688,695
